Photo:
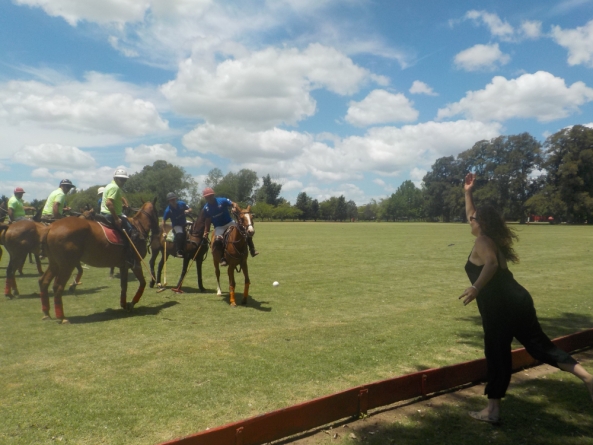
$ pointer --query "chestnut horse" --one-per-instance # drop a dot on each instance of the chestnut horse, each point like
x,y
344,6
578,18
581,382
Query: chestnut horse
x,y
71,240
194,249
20,238
235,252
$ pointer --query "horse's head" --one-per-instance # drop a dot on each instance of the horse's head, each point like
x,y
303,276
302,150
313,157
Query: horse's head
x,y
245,219
148,218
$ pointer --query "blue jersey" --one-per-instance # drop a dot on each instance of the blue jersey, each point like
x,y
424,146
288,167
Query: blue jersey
x,y
177,215
219,212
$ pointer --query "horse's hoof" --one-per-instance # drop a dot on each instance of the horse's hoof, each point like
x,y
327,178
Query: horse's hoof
x,y
72,288
129,306
244,302
9,296
45,318
64,321
233,304
151,284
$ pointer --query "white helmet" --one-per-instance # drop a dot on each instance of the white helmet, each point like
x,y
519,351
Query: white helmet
x,y
120,173
100,190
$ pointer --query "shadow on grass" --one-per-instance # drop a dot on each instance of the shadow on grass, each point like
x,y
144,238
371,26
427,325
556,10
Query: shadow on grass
x,y
82,291
252,303
115,314
195,290
565,324
544,412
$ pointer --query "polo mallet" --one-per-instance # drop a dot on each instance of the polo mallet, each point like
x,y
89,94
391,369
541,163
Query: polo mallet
x,y
164,284
138,253
178,288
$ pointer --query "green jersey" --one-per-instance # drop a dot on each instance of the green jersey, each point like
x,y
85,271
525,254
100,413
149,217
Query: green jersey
x,y
18,207
113,192
56,196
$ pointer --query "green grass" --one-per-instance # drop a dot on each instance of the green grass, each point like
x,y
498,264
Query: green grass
x,y
357,302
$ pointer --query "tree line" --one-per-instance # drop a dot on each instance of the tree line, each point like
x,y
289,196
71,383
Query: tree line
x,y
517,174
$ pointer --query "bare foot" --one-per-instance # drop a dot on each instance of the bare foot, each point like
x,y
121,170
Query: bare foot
x,y
486,415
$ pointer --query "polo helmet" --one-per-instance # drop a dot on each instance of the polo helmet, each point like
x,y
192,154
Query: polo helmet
x,y
100,190
120,173
66,182
171,196
19,190
207,192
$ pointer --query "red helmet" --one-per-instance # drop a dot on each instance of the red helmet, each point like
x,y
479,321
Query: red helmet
x,y
19,190
207,192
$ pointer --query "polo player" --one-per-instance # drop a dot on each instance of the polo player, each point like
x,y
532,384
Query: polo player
x,y
176,211
54,206
16,206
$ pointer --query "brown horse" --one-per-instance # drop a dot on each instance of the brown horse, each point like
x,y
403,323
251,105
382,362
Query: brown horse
x,y
194,249
21,238
71,240
235,252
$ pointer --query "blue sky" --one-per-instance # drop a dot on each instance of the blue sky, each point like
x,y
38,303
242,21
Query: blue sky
x,y
329,97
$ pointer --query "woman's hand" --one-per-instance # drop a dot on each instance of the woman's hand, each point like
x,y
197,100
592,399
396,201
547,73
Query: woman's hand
x,y
470,295
469,183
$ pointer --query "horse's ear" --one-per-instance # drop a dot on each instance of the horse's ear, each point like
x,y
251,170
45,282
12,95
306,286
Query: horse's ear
x,y
248,209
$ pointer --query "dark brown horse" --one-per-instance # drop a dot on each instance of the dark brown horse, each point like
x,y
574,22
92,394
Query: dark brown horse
x,y
195,250
21,238
235,252
71,240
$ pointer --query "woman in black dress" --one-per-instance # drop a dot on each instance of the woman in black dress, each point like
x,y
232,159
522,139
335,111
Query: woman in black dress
x,y
505,306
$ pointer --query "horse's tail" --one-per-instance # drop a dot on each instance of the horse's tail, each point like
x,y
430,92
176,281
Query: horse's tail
x,y
43,246
37,217
3,228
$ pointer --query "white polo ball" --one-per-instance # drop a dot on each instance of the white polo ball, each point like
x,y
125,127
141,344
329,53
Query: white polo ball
x,y
275,284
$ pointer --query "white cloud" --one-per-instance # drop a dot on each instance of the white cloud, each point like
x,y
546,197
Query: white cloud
x,y
481,57
54,156
263,89
83,107
115,43
419,87
241,146
498,28
103,11
143,155
416,175
540,95
381,107
291,185
578,41
531,29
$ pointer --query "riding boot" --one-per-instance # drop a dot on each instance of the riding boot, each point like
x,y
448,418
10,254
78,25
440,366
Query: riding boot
x,y
251,247
130,256
219,247
178,242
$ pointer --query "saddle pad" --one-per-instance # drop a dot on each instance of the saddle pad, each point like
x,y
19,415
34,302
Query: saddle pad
x,y
170,236
112,235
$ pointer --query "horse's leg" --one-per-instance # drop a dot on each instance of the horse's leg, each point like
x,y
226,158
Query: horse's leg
x,y
38,263
44,283
10,280
111,272
247,282
231,272
59,284
140,276
30,258
123,281
183,271
159,273
76,281
200,260
153,257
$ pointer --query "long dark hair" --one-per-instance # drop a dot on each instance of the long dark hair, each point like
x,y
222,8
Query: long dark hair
x,y
493,226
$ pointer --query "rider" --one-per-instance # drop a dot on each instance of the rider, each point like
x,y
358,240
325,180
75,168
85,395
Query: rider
x,y
54,206
217,213
16,206
112,209
176,210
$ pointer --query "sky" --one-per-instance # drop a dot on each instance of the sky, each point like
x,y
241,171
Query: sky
x,y
329,97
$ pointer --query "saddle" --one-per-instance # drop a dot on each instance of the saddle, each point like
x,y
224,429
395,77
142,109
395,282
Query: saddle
x,y
112,235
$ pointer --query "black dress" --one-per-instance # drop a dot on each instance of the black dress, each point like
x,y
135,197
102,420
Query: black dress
x,y
507,311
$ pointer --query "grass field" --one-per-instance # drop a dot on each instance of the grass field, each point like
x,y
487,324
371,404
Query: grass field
x,y
357,302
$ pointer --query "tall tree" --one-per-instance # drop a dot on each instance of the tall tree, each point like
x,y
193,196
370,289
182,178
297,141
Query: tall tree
x,y
442,190
569,163
269,191
214,177
158,179
303,203
237,187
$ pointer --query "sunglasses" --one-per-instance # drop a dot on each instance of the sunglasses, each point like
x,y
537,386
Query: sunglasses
x,y
472,218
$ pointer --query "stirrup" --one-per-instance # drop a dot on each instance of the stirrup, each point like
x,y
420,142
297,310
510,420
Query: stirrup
x,y
254,252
